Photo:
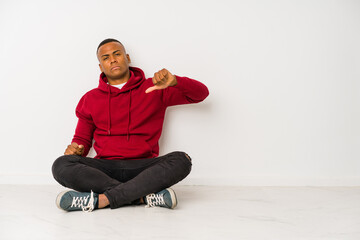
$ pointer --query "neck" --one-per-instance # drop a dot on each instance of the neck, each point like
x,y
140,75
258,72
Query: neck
x,y
117,81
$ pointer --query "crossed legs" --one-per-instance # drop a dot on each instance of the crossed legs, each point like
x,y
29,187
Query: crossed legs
x,y
121,182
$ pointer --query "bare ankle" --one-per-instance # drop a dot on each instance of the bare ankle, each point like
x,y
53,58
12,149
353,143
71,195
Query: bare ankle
x,y
103,201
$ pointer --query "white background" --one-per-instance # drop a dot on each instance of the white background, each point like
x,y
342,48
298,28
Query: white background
x,y
284,104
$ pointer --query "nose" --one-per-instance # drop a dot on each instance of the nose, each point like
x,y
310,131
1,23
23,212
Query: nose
x,y
112,59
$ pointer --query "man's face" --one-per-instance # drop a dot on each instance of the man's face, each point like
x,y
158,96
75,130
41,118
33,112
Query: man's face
x,y
114,61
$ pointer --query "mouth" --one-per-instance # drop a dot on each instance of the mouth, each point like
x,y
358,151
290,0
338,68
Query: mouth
x,y
115,68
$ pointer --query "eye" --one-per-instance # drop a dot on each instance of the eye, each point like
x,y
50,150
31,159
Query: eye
x,y
117,54
105,58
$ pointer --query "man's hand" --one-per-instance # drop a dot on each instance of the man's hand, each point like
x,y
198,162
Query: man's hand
x,y
74,149
162,79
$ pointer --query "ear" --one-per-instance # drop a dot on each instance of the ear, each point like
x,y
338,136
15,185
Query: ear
x,y
100,68
128,58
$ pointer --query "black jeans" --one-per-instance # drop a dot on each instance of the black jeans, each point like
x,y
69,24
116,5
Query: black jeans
x,y
122,181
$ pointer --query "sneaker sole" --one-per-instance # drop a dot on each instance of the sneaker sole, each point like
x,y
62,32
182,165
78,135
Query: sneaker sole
x,y
58,199
173,198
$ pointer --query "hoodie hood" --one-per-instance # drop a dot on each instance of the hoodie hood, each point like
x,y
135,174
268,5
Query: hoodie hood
x,y
137,76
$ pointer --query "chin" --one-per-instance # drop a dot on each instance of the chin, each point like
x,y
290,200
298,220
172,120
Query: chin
x,y
117,76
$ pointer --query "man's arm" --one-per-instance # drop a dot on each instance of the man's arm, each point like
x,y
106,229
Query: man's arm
x,y
178,90
82,140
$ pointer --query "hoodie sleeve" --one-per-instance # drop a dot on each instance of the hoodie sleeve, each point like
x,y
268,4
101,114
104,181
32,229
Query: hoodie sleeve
x,y
85,126
186,91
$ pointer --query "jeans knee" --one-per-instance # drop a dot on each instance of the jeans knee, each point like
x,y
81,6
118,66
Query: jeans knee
x,y
184,162
60,163
182,155
185,165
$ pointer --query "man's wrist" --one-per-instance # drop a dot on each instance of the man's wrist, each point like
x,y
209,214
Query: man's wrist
x,y
174,82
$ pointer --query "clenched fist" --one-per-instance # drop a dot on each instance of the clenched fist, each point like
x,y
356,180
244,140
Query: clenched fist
x,y
74,149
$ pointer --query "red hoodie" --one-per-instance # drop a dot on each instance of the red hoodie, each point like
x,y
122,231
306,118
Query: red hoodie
x,y
126,123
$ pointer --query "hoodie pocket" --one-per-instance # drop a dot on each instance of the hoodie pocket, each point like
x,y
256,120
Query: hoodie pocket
x,y
118,147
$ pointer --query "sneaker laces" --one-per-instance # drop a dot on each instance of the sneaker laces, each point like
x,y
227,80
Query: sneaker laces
x,y
81,201
154,200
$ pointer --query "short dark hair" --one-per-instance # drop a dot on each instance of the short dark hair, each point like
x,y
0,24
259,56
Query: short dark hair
x,y
108,40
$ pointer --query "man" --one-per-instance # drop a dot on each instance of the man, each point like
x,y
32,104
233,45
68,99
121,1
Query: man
x,y
124,116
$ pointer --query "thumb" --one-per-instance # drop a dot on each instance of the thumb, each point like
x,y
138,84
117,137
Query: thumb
x,y
80,150
150,89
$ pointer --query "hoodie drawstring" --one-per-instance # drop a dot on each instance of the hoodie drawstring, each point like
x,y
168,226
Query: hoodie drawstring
x,y
109,119
128,127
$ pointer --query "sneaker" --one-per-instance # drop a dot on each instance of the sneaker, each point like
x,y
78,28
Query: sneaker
x,y
165,198
75,201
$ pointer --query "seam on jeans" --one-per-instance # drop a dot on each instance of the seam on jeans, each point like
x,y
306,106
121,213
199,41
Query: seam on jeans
x,y
187,156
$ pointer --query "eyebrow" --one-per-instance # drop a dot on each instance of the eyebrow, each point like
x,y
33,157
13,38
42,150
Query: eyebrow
x,y
105,55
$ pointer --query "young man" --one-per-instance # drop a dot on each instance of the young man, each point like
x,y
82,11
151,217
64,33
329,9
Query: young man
x,y
124,116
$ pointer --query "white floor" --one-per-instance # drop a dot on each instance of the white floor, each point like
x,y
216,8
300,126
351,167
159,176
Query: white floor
x,y
204,212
